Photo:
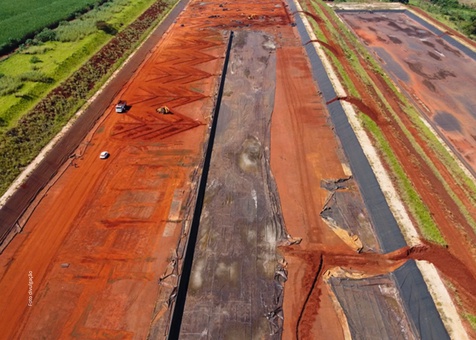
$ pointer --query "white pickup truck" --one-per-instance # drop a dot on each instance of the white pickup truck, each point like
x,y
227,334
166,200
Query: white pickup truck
x,y
121,106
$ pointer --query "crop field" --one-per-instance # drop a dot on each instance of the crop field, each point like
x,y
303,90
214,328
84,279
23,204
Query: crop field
x,y
20,18
40,64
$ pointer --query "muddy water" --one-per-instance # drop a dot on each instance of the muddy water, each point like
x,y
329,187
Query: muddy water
x,y
446,121
232,286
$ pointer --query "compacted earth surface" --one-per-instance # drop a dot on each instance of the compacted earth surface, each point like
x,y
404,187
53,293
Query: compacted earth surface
x,y
97,242
285,245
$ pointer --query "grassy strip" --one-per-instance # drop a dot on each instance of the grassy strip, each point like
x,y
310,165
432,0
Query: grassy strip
x,y
322,37
416,206
345,79
58,60
428,136
457,173
471,319
14,106
405,188
21,18
425,133
19,145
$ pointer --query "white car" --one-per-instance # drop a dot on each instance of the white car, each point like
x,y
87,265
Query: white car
x,y
121,106
104,155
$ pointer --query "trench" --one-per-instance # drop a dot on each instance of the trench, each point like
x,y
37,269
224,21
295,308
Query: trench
x,y
317,275
177,315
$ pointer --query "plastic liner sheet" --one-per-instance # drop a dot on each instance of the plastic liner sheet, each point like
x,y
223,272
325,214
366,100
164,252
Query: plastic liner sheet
x,y
373,308
345,210
418,302
387,229
236,281
388,232
318,71
463,48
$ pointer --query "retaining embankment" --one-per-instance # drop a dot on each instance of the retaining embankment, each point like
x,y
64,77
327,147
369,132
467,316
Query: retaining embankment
x,y
416,297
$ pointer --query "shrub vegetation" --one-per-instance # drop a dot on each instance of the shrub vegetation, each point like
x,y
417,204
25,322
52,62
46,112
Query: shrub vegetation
x,y
460,16
22,20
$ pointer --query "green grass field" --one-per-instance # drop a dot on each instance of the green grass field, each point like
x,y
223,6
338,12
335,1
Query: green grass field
x,y
20,18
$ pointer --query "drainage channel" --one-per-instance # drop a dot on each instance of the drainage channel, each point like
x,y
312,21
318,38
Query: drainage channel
x,y
416,297
176,321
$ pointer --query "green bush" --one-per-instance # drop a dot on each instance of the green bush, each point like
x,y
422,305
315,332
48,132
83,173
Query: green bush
x,y
105,27
35,60
36,49
9,85
75,30
46,35
461,16
36,76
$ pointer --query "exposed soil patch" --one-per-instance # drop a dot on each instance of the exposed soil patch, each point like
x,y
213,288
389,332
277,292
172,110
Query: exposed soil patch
x,y
108,220
394,39
430,85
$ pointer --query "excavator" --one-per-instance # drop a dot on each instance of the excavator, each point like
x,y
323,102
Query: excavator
x,y
164,110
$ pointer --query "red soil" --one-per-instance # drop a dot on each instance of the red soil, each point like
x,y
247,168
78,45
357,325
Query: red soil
x,y
304,151
436,84
106,219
